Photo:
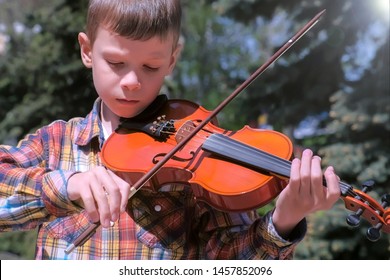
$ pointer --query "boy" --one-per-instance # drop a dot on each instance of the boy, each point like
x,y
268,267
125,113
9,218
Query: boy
x,y
54,178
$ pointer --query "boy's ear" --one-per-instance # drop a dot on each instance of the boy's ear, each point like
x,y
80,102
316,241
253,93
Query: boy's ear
x,y
175,57
86,50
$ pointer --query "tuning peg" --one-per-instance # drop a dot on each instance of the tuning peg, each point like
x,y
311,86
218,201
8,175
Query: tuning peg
x,y
353,220
373,233
368,186
385,200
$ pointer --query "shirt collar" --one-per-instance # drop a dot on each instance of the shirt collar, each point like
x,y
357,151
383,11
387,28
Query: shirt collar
x,y
91,126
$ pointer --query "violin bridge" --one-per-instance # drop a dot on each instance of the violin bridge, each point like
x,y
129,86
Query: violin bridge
x,y
184,130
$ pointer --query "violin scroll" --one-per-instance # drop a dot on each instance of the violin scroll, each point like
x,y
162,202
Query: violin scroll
x,y
365,206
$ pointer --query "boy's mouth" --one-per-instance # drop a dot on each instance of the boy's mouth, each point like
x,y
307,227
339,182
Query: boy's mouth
x,y
127,101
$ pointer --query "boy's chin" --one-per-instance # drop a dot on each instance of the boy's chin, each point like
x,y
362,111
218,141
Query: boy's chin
x,y
127,116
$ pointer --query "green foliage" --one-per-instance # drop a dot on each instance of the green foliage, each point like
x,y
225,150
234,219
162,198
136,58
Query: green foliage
x,y
55,86
19,245
360,125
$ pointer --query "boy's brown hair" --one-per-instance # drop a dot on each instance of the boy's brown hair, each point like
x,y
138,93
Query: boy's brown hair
x,y
135,19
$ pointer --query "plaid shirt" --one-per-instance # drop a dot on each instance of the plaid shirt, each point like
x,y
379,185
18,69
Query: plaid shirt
x,y
168,224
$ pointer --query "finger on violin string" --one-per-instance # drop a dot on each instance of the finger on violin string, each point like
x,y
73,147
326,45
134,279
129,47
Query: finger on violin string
x,y
333,184
305,171
317,181
295,180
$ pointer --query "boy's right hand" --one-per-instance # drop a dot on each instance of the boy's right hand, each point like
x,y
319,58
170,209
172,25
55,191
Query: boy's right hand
x,y
101,192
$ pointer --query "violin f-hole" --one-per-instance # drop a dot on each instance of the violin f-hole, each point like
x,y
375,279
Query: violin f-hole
x,y
155,159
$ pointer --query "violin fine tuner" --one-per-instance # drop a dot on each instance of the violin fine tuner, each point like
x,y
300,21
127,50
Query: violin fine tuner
x,y
353,220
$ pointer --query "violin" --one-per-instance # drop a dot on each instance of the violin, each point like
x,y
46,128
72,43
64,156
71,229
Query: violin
x,y
177,141
250,154
258,161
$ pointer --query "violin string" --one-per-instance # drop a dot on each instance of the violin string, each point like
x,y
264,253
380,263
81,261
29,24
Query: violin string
x,y
255,156
269,161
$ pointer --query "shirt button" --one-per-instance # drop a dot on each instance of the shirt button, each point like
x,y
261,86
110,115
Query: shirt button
x,y
157,208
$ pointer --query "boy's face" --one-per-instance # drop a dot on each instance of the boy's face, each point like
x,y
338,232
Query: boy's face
x,y
127,74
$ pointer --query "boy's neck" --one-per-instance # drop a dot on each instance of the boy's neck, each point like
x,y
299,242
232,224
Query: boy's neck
x,y
110,121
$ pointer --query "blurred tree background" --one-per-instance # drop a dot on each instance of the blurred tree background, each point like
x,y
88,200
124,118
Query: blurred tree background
x,y
329,92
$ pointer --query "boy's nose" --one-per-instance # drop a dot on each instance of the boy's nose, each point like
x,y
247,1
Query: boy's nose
x,y
130,81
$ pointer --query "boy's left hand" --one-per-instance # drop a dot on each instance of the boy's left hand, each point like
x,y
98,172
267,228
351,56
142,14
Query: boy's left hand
x,y
305,192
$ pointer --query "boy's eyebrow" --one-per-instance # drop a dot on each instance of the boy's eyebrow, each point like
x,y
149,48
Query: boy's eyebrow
x,y
157,54
154,55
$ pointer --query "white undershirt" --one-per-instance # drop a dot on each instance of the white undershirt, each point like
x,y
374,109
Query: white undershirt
x,y
105,132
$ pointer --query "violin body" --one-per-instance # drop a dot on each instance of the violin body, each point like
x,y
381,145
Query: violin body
x,y
222,183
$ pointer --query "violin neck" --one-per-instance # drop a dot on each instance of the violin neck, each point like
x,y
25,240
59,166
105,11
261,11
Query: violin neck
x,y
240,153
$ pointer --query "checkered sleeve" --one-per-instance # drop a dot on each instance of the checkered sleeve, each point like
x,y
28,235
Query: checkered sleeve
x,y
21,171
55,194
248,236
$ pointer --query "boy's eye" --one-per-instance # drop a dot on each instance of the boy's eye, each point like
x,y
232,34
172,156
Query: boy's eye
x,y
113,63
151,68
